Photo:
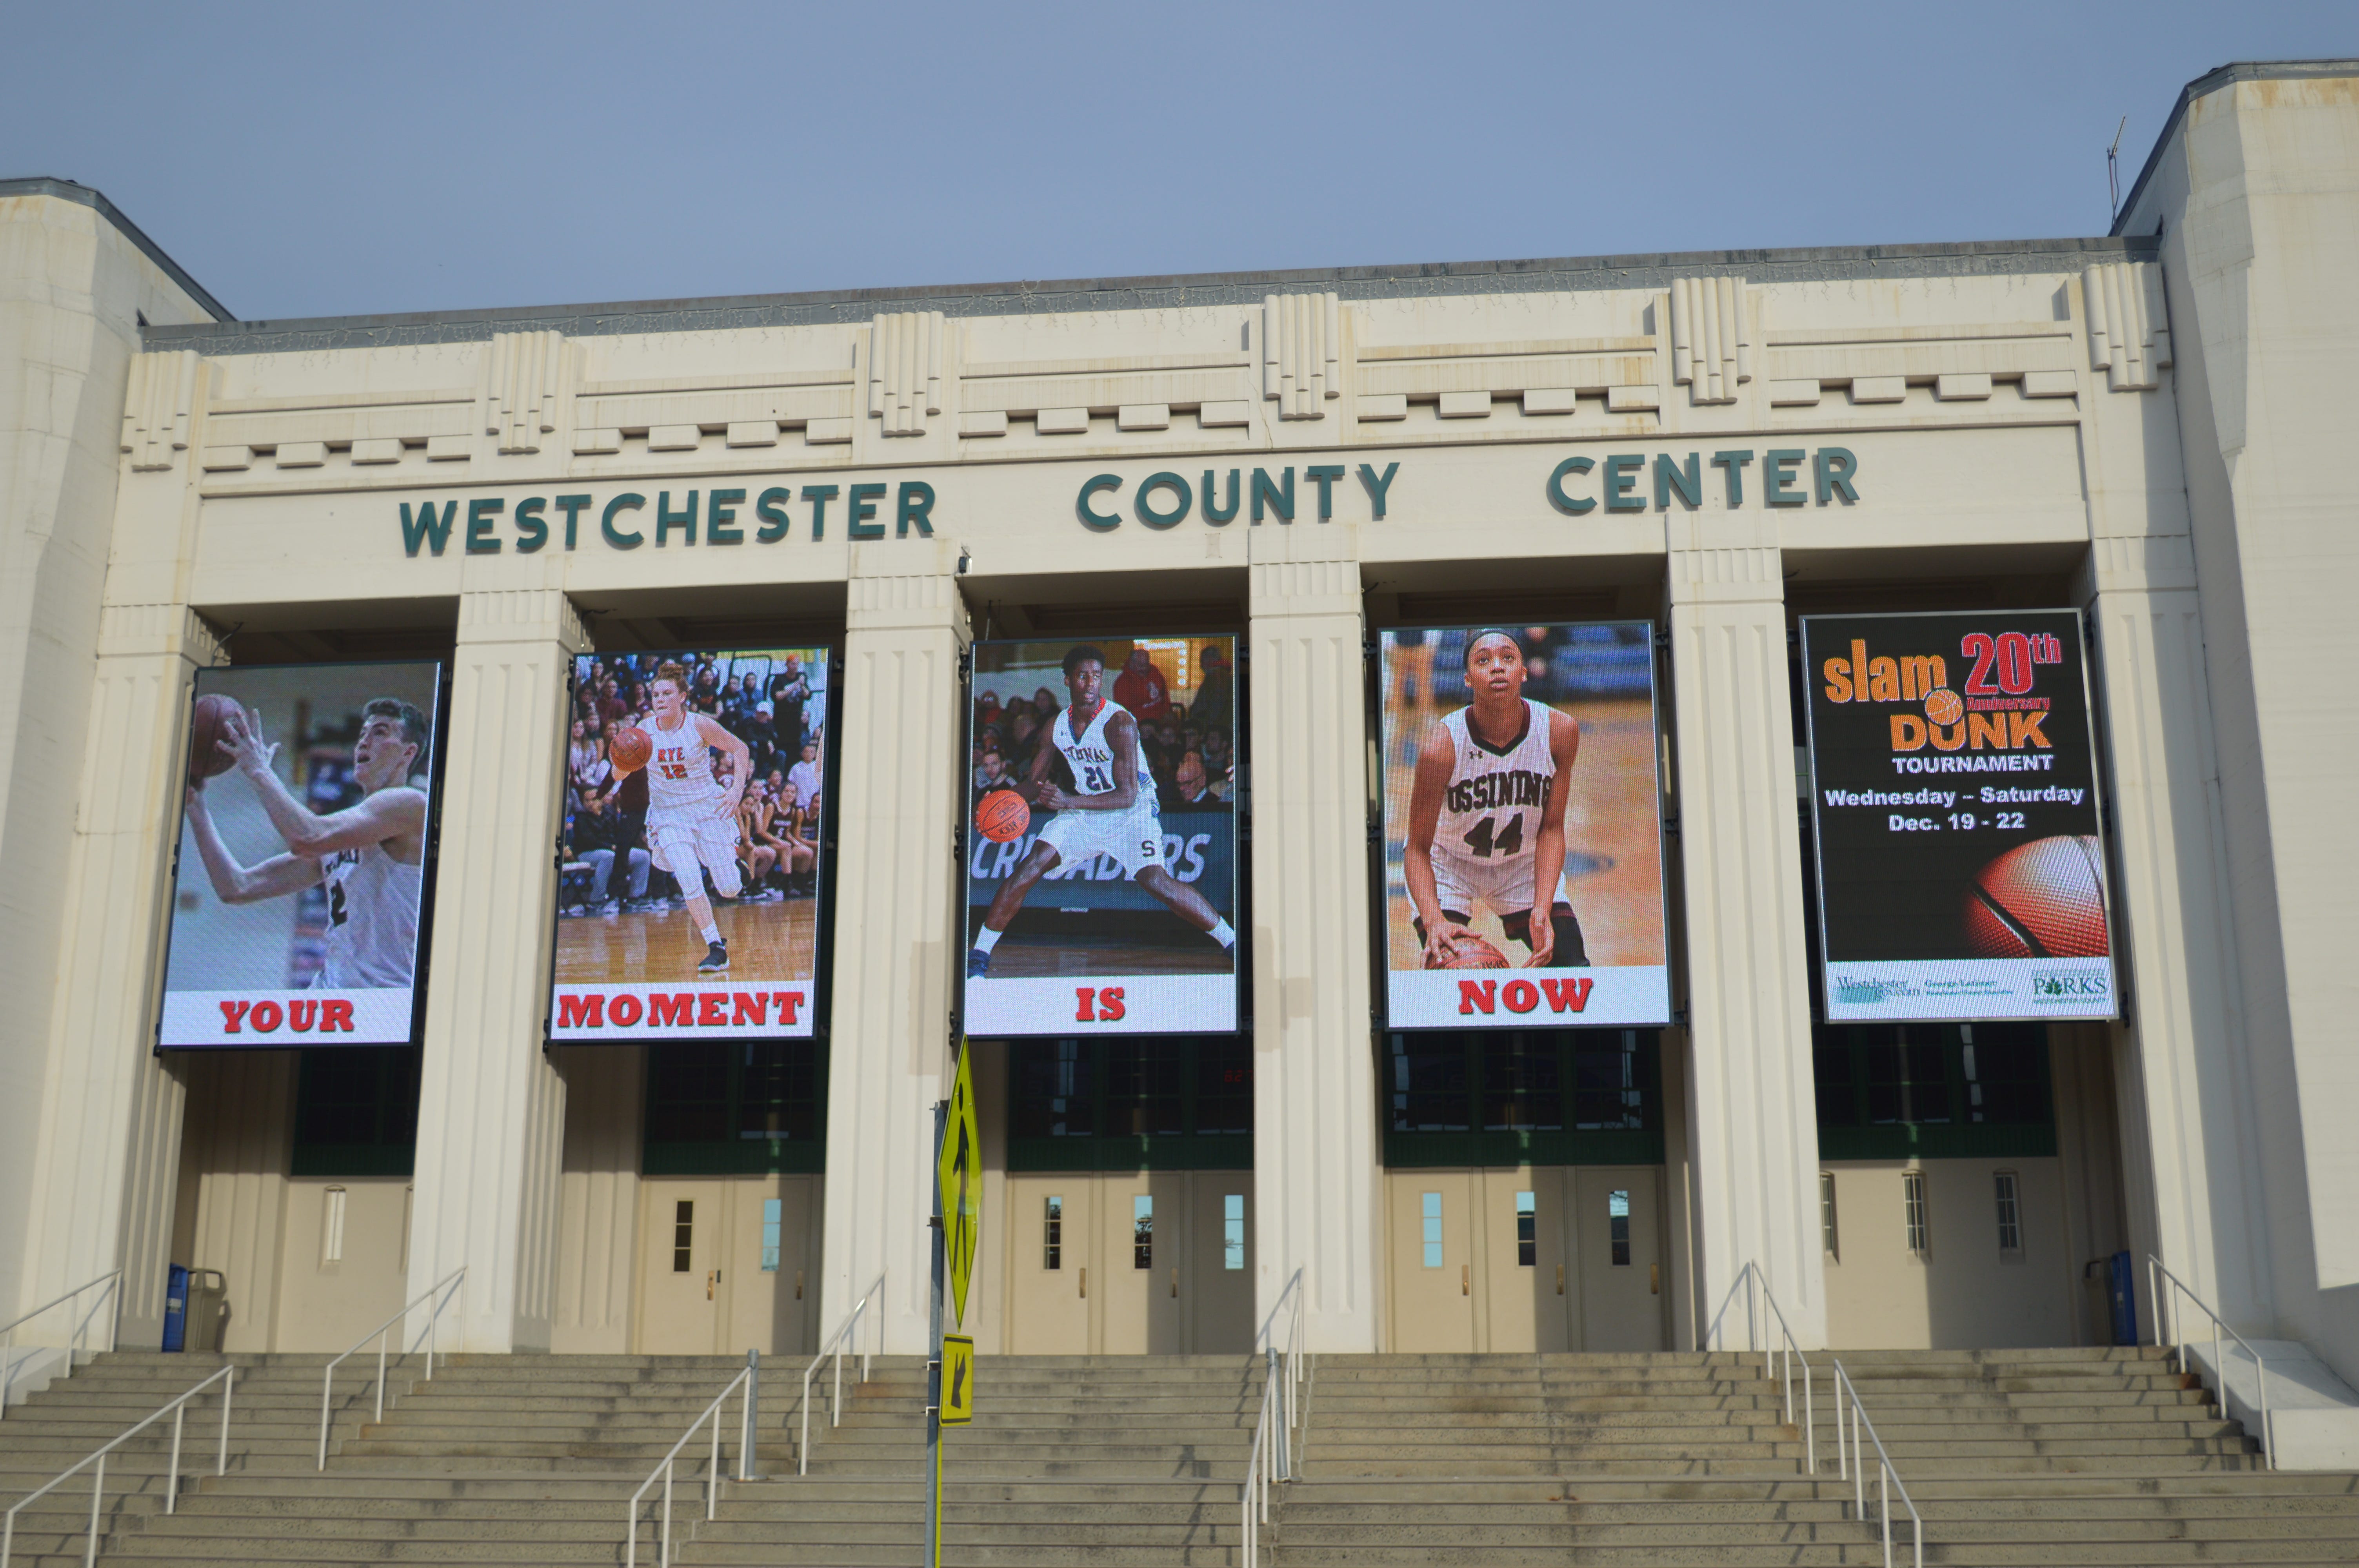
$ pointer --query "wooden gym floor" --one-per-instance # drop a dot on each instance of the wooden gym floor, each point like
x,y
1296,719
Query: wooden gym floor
x,y
766,942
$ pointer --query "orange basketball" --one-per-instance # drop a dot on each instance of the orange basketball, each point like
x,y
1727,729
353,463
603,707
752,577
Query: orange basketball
x,y
208,728
628,748
2041,900
1000,815
1475,953
1944,706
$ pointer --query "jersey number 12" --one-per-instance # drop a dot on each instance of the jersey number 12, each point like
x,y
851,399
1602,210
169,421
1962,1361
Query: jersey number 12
x,y
1479,838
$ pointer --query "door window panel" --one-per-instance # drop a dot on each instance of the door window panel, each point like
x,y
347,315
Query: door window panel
x,y
1432,1220
1142,1232
1232,1230
1527,1231
1617,1225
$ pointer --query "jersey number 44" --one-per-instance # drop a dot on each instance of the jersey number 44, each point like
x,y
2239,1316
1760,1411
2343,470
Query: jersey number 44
x,y
1485,847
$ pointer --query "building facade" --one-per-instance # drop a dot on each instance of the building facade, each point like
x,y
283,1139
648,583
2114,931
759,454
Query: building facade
x,y
2144,429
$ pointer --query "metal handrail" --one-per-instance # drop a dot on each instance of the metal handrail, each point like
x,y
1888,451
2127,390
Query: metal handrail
x,y
178,1409
713,1474
1784,1355
430,1337
2155,1266
1268,1459
834,1347
112,1279
1291,1361
1887,1478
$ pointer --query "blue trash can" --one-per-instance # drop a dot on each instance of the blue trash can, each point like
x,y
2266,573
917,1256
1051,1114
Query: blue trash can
x,y
2123,1288
176,1309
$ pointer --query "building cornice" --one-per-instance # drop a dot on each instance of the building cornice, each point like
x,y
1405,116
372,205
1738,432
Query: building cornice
x,y
1811,264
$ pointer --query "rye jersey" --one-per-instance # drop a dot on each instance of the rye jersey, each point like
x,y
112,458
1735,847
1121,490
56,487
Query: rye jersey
x,y
679,771
1091,755
1491,813
372,919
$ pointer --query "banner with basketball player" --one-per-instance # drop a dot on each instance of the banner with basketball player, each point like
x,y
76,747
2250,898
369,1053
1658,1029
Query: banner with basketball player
x,y
689,892
303,885
1954,790
1101,866
1523,827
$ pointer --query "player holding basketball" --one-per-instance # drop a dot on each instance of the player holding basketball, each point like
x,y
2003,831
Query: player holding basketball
x,y
1486,815
1114,814
371,854
692,815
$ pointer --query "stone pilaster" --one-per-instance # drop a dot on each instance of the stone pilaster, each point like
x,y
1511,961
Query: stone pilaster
x,y
108,1152
1752,1116
491,1115
897,898
1318,1175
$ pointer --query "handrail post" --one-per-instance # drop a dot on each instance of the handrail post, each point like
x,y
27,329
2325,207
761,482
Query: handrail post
x,y
97,1489
748,1417
229,1388
172,1476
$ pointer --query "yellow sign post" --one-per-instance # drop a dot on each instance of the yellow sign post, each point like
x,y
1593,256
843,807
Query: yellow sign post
x,y
957,1222
958,1379
958,1168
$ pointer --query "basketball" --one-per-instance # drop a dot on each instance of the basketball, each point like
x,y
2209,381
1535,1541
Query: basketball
x,y
207,730
1475,953
2041,900
1944,706
628,748
1000,815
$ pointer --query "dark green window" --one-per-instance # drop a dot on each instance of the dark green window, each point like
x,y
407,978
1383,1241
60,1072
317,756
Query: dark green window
x,y
1523,1097
746,1107
356,1111
1181,1103
1887,1091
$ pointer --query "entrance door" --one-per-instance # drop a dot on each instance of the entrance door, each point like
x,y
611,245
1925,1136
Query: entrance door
x,y
1146,1263
1523,1290
1217,1291
1616,1222
729,1264
682,1261
1434,1233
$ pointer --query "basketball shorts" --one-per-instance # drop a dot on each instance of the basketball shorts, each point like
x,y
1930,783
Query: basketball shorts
x,y
1133,838
678,841
1501,887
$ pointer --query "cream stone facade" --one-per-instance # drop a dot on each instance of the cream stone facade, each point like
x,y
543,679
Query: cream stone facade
x,y
2147,427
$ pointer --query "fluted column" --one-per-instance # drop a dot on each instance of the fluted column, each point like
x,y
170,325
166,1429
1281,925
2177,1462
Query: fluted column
x,y
2182,1054
1317,1171
1751,1117
107,1158
491,1118
896,800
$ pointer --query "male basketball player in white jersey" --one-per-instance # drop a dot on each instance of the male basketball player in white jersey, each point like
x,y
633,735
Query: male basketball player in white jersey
x,y
691,815
371,854
1486,815
1112,811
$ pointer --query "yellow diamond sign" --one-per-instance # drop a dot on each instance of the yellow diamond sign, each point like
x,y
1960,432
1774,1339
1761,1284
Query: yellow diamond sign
x,y
958,1170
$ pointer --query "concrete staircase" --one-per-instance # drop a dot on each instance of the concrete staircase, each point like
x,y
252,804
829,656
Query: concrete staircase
x,y
2015,1457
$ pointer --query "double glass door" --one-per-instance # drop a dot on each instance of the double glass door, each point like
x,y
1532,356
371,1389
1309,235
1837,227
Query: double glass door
x,y
1549,1257
728,1264
1154,1263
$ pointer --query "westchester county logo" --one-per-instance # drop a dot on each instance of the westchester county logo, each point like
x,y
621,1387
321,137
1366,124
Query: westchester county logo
x,y
1861,992
2068,985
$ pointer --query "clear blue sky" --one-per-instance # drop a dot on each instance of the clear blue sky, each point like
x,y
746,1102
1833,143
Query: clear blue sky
x,y
328,159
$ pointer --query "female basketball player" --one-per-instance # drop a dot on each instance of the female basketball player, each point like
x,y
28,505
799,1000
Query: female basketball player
x,y
1486,815
692,815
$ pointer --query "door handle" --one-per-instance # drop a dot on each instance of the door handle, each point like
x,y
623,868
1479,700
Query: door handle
x,y
1559,1279
1086,1285
799,1284
1175,1284
712,1278
1465,1278
1654,1279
